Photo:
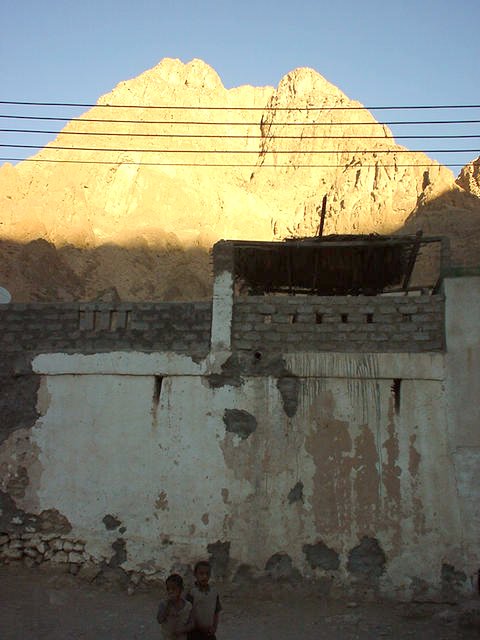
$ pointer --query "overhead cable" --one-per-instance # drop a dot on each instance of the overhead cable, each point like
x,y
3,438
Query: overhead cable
x,y
226,165
238,123
237,151
239,108
237,137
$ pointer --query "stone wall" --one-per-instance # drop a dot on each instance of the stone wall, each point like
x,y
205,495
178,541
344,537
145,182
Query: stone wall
x,y
351,324
354,468
181,327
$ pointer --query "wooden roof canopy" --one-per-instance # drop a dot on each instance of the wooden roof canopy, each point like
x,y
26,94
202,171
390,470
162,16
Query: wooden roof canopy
x,y
328,265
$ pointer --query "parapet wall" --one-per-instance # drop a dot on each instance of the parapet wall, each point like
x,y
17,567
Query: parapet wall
x,y
182,327
286,323
356,323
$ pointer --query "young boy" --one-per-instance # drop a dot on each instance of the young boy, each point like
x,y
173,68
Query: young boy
x,y
206,604
174,613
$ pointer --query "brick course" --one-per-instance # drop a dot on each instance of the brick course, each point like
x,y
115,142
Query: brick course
x,y
357,323
183,327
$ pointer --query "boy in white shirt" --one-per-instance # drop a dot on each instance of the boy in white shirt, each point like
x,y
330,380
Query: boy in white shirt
x,y
206,604
174,613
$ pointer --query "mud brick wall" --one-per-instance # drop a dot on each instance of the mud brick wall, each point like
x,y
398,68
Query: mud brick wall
x,y
348,324
182,327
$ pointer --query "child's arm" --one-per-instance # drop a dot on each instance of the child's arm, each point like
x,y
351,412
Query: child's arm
x,y
215,623
218,608
189,626
163,611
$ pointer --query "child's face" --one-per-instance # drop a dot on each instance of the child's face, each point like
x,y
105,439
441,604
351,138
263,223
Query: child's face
x,y
202,576
173,591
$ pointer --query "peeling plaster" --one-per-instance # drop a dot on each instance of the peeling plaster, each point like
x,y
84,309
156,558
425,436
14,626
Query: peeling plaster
x,y
319,556
289,390
296,493
367,560
20,469
162,501
111,522
239,422
18,403
219,558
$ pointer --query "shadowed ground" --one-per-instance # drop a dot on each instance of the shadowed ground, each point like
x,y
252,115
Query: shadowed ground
x,y
37,606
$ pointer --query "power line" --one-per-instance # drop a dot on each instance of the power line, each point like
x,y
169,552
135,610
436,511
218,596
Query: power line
x,y
245,124
237,151
237,137
218,164
232,108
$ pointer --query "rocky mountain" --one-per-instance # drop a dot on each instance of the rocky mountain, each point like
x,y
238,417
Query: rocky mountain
x,y
469,178
138,219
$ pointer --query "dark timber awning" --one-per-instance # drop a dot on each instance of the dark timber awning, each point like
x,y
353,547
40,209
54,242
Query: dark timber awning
x,y
328,265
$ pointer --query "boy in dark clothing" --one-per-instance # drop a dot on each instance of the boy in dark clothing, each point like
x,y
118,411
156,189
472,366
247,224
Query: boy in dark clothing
x,y
205,604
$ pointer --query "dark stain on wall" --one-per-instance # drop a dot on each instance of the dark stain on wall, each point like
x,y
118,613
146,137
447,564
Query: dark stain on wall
x,y
219,553
280,566
244,574
120,553
453,582
15,520
319,556
230,375
111,522
367,560
296,493
396,388
289,388
239,422
18,483
253,364
261,363
18,395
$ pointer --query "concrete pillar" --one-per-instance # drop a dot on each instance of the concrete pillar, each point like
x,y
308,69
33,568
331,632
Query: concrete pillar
x,y
222,309
462,386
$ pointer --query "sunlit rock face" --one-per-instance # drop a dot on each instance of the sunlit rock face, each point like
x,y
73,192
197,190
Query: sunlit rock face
x,y
141,224
469,178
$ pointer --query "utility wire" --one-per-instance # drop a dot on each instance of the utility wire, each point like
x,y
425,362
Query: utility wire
x,y
232,108
237,137
245,124
235,151
219,164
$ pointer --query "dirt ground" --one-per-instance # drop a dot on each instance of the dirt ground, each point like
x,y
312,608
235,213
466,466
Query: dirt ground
x,y
36,606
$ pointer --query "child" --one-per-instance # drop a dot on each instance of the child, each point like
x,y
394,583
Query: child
x,y
206,604
174,614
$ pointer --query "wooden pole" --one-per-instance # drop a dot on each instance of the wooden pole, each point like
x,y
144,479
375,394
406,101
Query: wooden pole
x,y
322,216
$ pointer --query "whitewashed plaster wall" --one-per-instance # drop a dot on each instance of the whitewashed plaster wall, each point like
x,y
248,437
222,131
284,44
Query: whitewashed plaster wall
x,y
178,480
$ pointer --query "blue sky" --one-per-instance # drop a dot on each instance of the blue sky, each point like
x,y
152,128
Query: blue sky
x,y
378,52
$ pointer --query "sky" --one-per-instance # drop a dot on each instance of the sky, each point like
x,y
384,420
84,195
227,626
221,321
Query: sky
x,y
380,52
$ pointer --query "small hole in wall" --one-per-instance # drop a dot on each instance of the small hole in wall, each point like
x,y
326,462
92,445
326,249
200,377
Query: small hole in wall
x,y
97,319
257,355
344,317
113,321
318,318
369,318
157,389
406,317
396,386
292,318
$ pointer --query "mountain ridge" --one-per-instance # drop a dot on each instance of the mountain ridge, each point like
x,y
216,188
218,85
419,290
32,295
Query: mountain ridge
x,y
145,230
